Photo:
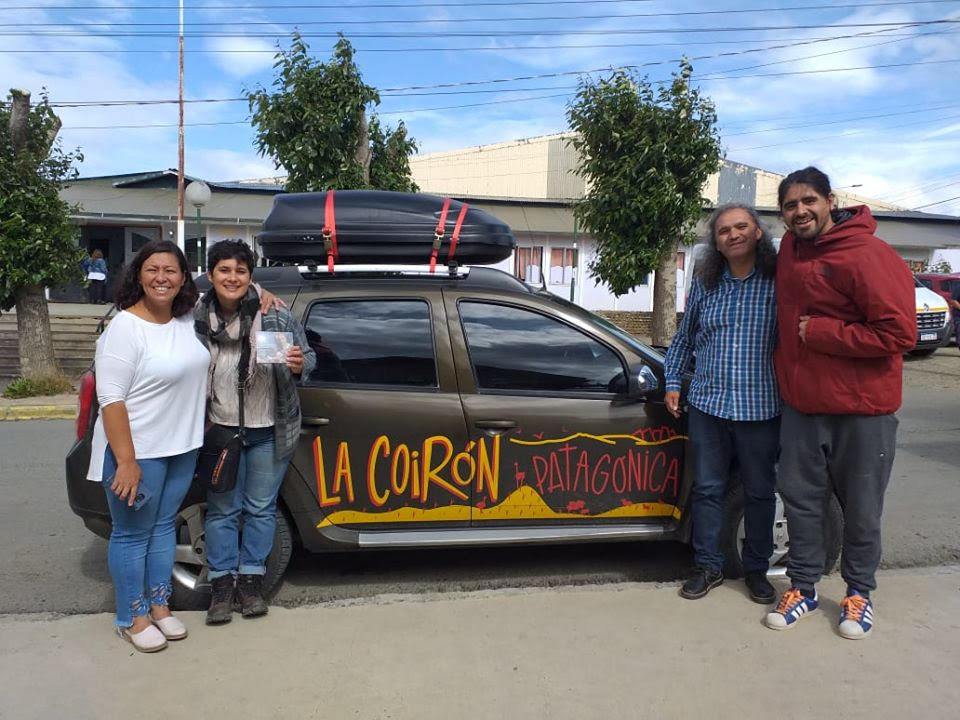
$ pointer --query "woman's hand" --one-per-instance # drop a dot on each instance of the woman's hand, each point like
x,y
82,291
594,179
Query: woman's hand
x,y
269,301
672,400
295,359
125,481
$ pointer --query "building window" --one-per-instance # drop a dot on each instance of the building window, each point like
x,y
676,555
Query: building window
x,y
563,263
528,264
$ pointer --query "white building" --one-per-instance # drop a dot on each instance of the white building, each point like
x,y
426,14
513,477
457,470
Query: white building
x,y
538,173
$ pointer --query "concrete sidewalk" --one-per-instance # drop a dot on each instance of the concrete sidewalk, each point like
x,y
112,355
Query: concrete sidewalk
x,y
615,651
48,407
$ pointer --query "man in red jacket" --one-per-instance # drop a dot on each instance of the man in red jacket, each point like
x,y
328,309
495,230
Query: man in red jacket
x,y
845,315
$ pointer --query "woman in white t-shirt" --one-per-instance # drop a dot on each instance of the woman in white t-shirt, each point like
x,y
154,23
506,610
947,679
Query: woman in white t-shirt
x,y
151,385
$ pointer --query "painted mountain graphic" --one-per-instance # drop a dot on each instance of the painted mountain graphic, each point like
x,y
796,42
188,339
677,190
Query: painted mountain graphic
x,y
524,503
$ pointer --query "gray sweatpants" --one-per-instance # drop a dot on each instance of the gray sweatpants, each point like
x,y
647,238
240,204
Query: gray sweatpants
x,y
850,455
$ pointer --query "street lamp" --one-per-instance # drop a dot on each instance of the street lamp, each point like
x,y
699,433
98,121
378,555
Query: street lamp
x,y
198,195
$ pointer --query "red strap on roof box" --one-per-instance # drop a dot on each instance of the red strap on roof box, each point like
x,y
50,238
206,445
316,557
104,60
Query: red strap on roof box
x,y
438,234
330,231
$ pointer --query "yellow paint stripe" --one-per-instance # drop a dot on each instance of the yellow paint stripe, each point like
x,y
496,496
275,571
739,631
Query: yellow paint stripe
x,y
522,504
607,439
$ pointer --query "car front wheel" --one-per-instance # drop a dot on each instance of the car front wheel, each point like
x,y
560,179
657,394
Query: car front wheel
x,y
734,534
191,587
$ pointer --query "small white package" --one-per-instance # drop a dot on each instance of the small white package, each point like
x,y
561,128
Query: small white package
x,y
272,347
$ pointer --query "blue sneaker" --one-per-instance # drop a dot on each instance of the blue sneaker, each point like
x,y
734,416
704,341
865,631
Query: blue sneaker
x,y
856,616
793,605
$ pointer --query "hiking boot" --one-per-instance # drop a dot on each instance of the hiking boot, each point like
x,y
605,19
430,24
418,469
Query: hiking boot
x,y
856,616
700,583
761,591
250,600
221,604
793,605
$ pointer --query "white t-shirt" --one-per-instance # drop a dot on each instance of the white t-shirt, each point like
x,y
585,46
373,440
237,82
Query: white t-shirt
x,y
160,372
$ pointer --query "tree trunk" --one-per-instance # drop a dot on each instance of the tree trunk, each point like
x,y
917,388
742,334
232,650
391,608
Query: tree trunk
x,y
664,322
33,320
33,331
19,115
363,147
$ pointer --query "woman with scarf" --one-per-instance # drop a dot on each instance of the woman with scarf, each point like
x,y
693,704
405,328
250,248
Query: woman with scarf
x,y
227,316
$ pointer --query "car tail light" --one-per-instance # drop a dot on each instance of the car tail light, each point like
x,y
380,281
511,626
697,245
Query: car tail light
x,y
85,400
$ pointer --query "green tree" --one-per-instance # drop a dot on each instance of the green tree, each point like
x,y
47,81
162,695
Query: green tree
x,y
314,125
645,155
38,243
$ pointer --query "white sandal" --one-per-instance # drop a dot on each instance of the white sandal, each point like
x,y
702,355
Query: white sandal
x,y
171,627
147,640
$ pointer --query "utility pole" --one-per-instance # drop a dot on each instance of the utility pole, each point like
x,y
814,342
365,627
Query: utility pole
x,y
181,239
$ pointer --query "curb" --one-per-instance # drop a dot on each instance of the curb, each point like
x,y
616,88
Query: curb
x,y
37,412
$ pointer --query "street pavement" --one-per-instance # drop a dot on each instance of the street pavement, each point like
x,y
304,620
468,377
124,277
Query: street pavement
x,y
631,650
617,651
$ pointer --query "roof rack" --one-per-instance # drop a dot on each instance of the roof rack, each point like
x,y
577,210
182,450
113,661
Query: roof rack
x,y
457,271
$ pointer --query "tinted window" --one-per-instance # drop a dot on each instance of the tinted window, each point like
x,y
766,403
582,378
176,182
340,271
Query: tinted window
x,y
372,342
516,349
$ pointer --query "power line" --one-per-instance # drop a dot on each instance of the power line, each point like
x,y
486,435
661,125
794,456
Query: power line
x,y
481,48
493,33
431,21
323,6
940,202
156,125
388,91
928,187
852,132
113,103
838,122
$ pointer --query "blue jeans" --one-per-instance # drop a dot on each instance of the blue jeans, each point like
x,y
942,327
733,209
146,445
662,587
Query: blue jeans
x,y
715,445
252,503
142,542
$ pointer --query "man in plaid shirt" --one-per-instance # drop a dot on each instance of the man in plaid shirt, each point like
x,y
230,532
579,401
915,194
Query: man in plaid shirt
x,y
734,406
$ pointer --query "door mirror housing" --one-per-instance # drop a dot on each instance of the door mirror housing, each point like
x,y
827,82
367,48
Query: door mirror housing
x,y
643,381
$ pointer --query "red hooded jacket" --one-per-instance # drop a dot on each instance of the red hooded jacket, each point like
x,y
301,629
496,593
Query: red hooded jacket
x,y
860,297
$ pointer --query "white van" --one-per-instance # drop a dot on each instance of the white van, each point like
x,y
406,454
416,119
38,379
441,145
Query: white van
x,y
933,320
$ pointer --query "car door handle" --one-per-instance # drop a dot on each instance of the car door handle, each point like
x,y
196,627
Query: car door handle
x,y
316,421
493,427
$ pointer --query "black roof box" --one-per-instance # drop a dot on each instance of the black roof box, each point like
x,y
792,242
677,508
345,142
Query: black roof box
x,y
377,226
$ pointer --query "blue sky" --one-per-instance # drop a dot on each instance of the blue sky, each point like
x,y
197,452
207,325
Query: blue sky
x,y
888,121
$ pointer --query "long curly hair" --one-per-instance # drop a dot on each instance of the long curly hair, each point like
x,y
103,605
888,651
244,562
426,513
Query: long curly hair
x,y
711,265
129,291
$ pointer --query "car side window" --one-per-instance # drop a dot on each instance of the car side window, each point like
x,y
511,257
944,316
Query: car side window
x,y
372,342
513,348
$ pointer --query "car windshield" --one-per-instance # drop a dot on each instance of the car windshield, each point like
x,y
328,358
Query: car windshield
x,y
629,339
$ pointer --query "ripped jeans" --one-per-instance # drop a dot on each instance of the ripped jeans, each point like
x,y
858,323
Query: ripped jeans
x,y
142,541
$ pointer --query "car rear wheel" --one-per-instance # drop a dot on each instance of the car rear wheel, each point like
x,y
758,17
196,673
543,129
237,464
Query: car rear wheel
x,y
191,588
734,533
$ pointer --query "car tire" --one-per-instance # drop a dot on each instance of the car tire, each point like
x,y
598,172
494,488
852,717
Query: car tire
x,y
733,533
191,588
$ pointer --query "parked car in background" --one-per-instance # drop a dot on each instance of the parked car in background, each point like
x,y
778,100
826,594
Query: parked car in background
x,y
933,320
944,284
941,283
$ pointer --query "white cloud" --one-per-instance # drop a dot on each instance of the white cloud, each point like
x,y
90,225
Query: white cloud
x,y
242,57
227,165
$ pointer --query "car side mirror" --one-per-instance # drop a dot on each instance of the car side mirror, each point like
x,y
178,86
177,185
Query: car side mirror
x,y
643,381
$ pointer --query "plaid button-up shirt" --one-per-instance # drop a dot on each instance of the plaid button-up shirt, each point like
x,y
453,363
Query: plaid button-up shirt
x,y
731,329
